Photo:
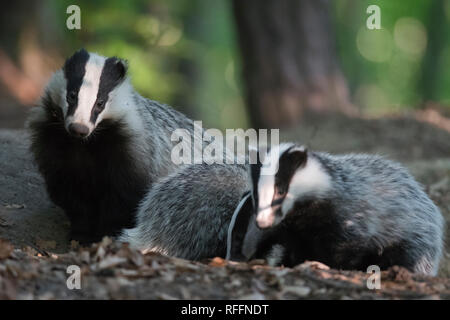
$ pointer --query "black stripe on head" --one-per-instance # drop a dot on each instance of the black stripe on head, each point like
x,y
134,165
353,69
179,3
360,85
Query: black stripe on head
x,y
113,74
290,161
74,70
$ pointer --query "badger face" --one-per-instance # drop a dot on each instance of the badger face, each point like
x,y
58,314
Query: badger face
x,y
92,84
270,191
299,176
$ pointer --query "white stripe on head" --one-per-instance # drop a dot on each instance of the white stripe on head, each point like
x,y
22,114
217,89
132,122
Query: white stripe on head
x,y
311,180
266,185
88,91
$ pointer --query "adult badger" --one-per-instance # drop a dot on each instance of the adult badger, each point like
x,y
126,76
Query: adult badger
x,y
347,211
99,145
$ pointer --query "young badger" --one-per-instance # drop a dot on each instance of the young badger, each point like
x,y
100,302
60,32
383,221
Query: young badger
x,y
187,213
99,145
347,211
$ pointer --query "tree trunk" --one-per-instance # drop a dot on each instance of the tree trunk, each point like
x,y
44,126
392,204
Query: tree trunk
x,y
289,60
431,65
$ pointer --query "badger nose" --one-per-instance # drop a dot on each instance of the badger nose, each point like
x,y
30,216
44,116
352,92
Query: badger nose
x,y
265,218
78,130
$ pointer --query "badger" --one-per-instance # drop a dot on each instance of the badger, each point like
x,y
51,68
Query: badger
x,y
347,211
100,145
187,213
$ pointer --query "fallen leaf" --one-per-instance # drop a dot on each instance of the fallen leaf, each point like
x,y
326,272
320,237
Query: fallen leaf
x,y
168,276
128,273
257,262
74,245
253,296
313,265
299,291
186,295
399,274
137,258
85,256
259,285
236,283
110,261
106,241
6,249
165,296
217,262
184,265
100,253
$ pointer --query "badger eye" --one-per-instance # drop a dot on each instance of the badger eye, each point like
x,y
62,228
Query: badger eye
x,y
100,103
281,191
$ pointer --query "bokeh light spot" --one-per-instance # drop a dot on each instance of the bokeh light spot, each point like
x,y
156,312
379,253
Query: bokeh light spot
x,y
170,36
374,45
410,36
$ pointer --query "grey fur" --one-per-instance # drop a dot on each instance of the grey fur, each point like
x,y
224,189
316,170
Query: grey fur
x,y
187,214
394,205
159,121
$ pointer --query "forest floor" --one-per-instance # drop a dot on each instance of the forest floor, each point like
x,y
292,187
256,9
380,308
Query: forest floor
x,y
35,251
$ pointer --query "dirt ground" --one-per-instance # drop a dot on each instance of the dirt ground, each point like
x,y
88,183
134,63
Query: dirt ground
x,y
35,252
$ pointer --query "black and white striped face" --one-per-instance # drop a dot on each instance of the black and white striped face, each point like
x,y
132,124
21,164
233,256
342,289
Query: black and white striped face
x,y
92,83
297,176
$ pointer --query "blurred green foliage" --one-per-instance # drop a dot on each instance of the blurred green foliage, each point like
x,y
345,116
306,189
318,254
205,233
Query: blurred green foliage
x,y
404,64
183,52
180,52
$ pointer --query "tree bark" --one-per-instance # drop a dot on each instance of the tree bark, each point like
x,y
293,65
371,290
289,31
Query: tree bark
x,y
289,60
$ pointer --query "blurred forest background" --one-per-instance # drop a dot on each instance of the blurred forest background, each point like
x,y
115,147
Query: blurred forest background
x,y
238,63
309,67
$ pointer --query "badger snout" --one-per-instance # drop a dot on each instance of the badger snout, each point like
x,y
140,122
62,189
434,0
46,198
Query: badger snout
x,y
269,216
265,218
78,130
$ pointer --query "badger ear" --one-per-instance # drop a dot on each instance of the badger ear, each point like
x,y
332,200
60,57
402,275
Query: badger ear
x,y
121,67
114,71
297,157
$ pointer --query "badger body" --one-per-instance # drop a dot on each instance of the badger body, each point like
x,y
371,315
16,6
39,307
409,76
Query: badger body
x,y
187,213
347,211
100,145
